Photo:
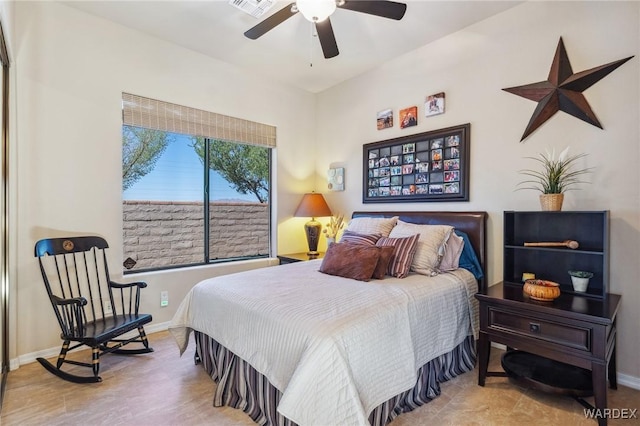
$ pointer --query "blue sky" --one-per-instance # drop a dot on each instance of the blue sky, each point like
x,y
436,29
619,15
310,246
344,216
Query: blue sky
x,y
178,176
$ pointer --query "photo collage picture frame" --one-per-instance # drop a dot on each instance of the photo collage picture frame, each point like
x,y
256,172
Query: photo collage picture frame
x,y
430,166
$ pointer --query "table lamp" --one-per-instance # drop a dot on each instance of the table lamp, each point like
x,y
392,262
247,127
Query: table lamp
x,y
313,205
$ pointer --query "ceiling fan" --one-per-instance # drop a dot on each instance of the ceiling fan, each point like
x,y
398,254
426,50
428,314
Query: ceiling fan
x,y
318,12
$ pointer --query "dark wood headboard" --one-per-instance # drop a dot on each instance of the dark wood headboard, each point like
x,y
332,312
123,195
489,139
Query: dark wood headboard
x,y
474,224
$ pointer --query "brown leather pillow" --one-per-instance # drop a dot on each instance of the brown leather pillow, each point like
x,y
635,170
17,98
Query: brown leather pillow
x,y
353,261
386,254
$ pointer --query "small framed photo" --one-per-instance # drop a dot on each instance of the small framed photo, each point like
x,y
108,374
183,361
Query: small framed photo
x,y
408,117
434,104
430,166
385,119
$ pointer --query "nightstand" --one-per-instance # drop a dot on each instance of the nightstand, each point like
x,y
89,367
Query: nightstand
x,y
298,257
574,330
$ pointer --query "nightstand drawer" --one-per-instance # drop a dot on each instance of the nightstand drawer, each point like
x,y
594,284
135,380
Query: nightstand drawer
x,y
536,328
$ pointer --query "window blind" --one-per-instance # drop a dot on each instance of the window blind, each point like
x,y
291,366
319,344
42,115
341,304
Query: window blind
x,y
159,115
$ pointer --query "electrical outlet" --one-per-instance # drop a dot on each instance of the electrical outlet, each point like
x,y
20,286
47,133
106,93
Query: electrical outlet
x,y
164,298
108,310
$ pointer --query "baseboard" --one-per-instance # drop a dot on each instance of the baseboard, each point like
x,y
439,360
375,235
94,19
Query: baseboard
x,y
629,381
154,328
53,352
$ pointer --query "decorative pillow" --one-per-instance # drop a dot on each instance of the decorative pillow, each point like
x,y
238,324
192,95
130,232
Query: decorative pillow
x,y
372,225
355,261
404,250
452,252
386,254
430,246
355,238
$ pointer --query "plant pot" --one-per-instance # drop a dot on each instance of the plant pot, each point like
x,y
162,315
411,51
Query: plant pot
x,y
580,280
551,202
579,284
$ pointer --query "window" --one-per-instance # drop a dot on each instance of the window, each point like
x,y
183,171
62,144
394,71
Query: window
x,y
190,199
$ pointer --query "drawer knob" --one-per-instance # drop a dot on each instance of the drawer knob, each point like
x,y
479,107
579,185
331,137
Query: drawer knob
x,y
534,327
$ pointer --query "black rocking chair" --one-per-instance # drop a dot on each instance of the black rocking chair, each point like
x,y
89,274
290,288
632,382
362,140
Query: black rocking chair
x,y
91,309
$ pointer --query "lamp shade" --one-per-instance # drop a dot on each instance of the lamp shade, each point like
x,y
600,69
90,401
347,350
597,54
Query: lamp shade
x,y
313,205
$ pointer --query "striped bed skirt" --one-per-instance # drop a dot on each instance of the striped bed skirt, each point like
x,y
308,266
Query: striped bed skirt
x,y
241,386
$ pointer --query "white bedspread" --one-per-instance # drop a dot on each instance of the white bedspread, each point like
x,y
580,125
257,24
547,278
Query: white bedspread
x,y
335,347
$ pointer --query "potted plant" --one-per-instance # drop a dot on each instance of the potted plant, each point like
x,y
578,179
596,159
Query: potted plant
x,y
333,227
580,280
557,176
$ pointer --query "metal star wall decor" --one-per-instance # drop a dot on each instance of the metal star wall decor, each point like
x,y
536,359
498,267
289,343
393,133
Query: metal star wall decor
x,y
562,91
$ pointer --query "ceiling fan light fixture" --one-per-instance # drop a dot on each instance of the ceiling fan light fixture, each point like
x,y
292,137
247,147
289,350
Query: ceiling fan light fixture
x,y
316,10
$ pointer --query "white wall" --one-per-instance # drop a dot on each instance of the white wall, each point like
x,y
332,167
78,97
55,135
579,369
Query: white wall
x,y
471,67
71,69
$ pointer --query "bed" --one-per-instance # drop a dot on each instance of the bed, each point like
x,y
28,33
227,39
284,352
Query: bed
x,y
291,345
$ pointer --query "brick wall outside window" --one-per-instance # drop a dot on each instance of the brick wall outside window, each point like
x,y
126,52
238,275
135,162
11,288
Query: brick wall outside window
x,y
159,234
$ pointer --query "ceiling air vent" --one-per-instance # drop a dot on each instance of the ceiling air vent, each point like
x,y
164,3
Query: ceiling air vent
x,y
255,8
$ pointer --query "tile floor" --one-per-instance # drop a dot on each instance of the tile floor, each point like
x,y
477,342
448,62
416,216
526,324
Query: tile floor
x,y
163,388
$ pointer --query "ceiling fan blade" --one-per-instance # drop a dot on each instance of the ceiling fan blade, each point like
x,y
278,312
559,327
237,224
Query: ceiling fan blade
x,y
327,38
270,23
386,9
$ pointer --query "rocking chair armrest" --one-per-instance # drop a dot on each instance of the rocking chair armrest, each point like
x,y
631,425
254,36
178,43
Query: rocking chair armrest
x,y
139,284
80,301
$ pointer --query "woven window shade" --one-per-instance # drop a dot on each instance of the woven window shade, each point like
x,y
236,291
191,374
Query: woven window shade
x,y
159,115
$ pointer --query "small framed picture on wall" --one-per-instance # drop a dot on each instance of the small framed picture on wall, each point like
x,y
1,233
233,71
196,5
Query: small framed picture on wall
x,y
385,119
434,104
335,179
408,117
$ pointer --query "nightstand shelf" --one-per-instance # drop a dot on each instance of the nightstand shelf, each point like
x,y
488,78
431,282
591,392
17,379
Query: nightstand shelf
x,y
298,257
589,228
547,375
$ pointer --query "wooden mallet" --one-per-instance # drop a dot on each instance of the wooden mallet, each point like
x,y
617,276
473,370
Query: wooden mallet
x,y
566,243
